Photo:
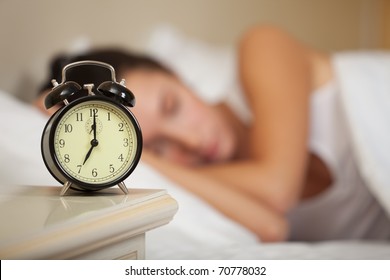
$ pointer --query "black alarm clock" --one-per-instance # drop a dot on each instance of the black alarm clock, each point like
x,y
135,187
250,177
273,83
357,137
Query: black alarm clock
x,y
94,141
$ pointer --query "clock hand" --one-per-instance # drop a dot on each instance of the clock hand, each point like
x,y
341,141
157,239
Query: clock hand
x,y
88,154
94,143
93,126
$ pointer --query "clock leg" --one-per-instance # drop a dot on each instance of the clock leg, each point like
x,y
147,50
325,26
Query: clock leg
x,y
65,187
123,187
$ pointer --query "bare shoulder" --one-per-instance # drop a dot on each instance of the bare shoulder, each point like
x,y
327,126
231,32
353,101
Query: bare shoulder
x,y
273,45
268,56
268,37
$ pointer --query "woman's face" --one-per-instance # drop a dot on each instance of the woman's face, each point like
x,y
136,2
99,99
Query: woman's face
x,y
175,123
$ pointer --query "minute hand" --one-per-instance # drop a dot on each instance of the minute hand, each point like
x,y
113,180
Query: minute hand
x,y
94,125
94,141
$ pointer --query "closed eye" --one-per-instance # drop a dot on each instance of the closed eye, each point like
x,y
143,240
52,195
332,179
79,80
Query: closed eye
x,y
169,104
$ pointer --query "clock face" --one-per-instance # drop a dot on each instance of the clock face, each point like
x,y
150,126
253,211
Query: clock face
x,y
96,142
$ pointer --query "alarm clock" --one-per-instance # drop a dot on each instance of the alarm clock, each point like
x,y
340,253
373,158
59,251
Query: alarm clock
x,y
93,141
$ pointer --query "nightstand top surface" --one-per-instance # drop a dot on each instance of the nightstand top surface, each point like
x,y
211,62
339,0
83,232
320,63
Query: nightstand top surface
x,y
37,214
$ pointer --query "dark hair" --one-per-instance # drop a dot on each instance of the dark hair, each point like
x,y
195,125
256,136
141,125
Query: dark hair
x,y
120,59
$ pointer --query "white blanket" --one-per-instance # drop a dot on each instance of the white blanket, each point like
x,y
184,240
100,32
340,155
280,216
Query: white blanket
x,y
364,80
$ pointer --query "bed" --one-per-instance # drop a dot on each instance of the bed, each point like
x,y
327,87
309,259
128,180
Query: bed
x,y
197,231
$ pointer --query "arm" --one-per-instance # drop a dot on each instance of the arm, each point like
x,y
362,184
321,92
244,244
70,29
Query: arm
x,y
264,222
277,77
257,191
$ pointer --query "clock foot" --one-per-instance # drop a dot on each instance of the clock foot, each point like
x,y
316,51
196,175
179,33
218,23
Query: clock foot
x,y
65,188
123,187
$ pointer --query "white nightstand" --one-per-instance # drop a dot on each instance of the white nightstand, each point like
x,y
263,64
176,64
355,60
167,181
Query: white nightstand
x,y
37,223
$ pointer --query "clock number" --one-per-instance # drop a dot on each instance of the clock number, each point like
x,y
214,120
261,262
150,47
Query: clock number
x,y
94,172
79,117
125,142
92,111
62,143
68,128
66,158
108,116
79,167
112,169
121,125
120,157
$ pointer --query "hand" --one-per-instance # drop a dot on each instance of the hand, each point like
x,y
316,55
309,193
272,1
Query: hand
x,y
88,154
94,141
151,158
93,126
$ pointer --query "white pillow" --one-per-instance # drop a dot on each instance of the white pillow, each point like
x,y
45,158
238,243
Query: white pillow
x,y
20,148
209,70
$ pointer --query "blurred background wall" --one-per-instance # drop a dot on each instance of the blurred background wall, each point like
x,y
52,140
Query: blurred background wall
x,y
31,32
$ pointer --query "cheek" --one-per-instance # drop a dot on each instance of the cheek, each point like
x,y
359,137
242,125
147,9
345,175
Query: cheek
x,y
205,120
195,114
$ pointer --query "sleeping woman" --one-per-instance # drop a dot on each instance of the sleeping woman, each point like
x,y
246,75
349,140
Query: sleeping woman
x,y
289,174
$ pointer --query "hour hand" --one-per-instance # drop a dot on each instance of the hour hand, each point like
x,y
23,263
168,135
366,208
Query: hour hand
x,y
88,154
94,143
